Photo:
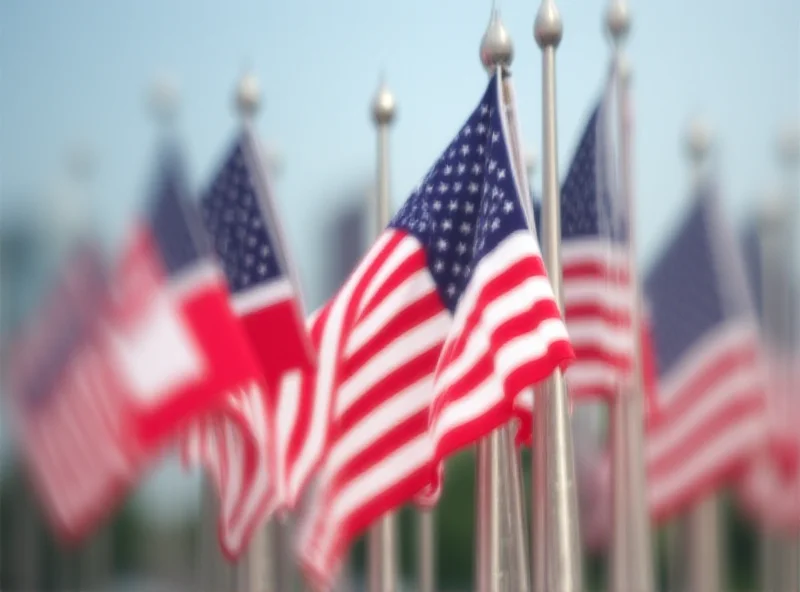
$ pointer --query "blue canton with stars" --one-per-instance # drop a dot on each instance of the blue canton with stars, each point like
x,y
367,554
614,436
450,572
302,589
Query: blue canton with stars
x,y
589,209
468,203
239,230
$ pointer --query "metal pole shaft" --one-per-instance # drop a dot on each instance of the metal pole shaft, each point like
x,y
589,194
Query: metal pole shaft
x,y
539,494
426,551
516,522
703,527
704,546
511,489
564,572
640,559
620,544
382,537
490,576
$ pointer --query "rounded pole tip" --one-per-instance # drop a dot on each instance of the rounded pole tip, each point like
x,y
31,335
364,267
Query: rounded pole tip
x,y
248,95
496,49
163,98
548,28
789,145
618,20
699,138
384,107
531,162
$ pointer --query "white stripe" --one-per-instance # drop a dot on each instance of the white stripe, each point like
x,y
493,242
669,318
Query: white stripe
x,y
612,339
262,296
377,422
288,409
327,362
736,440
593,292
694,362
507,306
468,407
381,476
414,288
606,253
393,356
737,385
195,277
404,250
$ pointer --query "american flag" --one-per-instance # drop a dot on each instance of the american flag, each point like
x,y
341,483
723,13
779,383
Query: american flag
x,y
241,220
424,349
598,298
712,413
65,402
178,342
770,490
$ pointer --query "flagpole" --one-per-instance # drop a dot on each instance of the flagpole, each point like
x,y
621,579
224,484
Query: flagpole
x,y
257,571
633,553
501,562
564,573
789,156
703,520
382,538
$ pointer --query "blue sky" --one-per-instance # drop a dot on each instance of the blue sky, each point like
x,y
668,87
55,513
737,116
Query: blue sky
x,y
79,71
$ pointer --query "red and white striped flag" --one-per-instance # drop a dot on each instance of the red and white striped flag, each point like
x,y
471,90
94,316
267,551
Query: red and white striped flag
x,y
711,417
425,348
253,447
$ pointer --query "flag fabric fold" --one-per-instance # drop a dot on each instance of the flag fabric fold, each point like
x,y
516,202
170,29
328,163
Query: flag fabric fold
x,y
447,319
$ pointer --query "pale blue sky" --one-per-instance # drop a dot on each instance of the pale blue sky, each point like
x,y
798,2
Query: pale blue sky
x,y
79,70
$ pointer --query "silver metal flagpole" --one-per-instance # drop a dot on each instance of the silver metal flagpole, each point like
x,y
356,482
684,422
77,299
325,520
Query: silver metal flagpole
x,y
703,520
789,156
382,538
630,505
564,573
257,571
772,227
501,563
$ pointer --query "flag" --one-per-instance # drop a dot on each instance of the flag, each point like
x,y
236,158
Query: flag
x,y
770,488
241,221
711,414
178,344
65,404
423,351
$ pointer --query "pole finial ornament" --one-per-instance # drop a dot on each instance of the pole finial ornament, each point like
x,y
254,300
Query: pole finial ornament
x,y
699,139
618,20
248,96
496,49
383,106
548,28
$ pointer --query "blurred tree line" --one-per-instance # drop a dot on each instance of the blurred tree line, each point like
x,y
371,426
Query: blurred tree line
x,y
129,545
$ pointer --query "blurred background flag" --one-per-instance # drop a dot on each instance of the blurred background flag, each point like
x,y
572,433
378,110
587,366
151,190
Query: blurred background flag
x,y
176,329
72,424
711,416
